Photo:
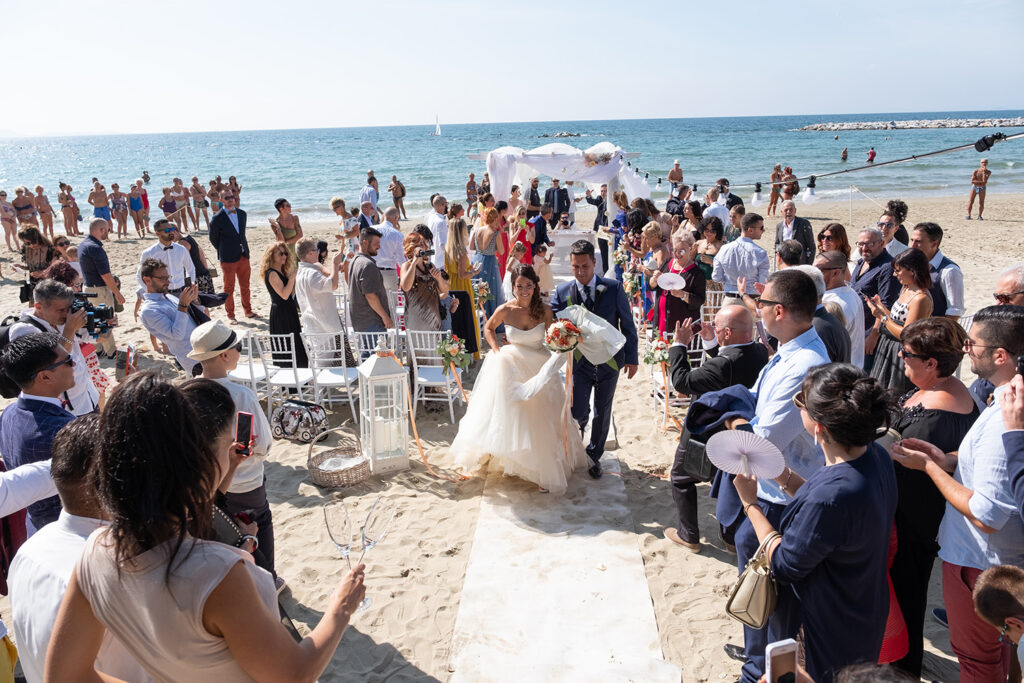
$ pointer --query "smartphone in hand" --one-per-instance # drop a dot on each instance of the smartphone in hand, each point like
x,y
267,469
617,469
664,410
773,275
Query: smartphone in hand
x,y
243,430
780,658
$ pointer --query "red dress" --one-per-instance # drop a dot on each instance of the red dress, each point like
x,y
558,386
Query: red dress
x,y
503,258
521,239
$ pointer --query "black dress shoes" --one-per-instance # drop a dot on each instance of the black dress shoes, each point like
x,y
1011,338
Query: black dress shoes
x,y
595,471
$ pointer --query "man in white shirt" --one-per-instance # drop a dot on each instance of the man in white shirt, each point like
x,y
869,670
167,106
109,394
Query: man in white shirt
x,y
41,570
165,317
832,265
438,224
947,280
173,255
741,258
714,208
218,348
314,289
51,312
391,254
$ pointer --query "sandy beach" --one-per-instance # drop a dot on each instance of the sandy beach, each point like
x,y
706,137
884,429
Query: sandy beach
x,y
415,576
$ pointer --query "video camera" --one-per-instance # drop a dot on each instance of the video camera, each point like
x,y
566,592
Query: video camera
x,y
99,317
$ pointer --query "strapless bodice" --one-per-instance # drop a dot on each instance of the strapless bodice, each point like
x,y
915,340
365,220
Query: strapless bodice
x,y
532,338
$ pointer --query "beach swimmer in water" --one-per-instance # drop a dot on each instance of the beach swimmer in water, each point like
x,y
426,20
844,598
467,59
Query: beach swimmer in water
x,y
842,157
871,155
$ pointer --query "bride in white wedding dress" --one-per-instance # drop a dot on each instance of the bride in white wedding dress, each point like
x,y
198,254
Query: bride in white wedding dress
x,y
516,413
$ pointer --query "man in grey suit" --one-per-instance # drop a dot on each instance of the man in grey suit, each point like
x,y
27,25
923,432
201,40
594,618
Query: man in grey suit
x,y
792,227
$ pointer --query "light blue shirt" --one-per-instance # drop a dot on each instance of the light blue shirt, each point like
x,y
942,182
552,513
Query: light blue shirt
x,y
233,217
740,258
981,467
777,419
368,194
391,254
161,317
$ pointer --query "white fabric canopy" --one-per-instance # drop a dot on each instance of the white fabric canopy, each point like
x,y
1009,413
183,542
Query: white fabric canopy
x,y
602,163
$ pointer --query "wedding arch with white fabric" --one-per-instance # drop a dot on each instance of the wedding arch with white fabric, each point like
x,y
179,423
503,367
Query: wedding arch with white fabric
x,y
602,163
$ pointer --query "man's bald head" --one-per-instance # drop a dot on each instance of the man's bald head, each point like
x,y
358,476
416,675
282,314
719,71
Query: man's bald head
x,y
832,265
439,203
734,324
98,227
366,208
391,214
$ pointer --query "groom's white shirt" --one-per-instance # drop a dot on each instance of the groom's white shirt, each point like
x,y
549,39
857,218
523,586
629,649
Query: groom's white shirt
x,y
593,288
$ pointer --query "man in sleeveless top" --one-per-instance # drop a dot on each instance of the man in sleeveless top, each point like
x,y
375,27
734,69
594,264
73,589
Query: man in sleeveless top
x,y
947,279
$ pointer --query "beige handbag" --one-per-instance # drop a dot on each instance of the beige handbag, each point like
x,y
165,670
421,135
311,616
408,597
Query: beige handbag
x,y
753,598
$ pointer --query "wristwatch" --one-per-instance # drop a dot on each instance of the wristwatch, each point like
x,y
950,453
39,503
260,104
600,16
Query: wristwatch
x,y
248,537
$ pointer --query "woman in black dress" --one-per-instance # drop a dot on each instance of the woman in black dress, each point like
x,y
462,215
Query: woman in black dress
x,y
940,411
195,252
278,270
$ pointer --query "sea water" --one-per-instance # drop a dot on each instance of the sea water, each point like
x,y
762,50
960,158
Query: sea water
x,y
310,166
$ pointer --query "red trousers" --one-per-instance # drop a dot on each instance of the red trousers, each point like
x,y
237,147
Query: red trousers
x,y
241,270
983,659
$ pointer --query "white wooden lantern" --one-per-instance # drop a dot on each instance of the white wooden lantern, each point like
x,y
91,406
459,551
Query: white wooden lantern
x,y
383,411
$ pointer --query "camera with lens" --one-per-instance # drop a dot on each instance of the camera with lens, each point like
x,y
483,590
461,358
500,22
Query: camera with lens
x,y
427,253
99,318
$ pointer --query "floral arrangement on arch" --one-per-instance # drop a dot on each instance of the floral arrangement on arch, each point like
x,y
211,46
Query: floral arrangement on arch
x,y
452,350
562,336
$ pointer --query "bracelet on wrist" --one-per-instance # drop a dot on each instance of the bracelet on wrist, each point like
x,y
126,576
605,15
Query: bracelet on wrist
x,y
747,506
248,537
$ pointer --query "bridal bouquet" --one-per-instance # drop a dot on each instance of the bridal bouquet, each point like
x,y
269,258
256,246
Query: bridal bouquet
x,y
562,336
482,292
657,352
453,352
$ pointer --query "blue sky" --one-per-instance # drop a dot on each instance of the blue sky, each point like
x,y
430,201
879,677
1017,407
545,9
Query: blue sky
x,y
128,67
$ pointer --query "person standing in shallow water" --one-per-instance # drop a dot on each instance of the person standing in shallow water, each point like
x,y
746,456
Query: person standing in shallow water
x,y
979,179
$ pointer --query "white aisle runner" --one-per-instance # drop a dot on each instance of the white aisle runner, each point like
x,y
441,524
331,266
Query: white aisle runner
x,y
555,589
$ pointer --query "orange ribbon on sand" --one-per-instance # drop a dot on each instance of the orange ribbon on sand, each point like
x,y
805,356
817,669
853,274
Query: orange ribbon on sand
x,y
566,410
667,389
415,431
458,381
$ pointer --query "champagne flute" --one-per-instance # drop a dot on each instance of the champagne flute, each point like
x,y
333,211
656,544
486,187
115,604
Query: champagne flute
x,y
339,527
376,526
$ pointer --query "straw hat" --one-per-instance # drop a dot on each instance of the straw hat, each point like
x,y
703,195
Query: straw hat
x,y
211,339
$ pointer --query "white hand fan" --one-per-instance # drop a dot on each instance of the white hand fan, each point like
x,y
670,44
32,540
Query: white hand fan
x,y
740,452
670,281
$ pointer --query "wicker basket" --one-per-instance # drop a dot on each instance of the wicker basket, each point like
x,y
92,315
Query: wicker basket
x,y
346,448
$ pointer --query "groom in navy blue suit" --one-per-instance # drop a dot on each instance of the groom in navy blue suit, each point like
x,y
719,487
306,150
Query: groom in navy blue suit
x,y
606,299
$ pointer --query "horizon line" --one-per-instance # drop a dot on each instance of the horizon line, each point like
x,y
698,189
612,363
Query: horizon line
x,y
11,135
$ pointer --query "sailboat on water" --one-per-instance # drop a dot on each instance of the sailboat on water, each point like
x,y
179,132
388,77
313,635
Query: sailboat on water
x,y
437,127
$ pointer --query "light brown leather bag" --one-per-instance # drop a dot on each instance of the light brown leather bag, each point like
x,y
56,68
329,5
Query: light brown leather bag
x,y
755,594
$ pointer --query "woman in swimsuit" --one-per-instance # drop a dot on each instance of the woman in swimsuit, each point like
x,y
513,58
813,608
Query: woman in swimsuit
x,y
135,207
25,205
145,206
168,205
180,197
773,198
286,226
236,189
69,210
9,219
45,211
119,203
979,179
790,186
199,202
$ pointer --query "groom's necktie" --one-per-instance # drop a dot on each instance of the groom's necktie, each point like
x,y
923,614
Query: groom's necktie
x,y
587,301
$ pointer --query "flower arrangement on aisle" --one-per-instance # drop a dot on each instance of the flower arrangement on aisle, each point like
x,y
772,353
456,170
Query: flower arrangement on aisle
x,y
453,353
621,257
482,292
656,352
562,336
631,283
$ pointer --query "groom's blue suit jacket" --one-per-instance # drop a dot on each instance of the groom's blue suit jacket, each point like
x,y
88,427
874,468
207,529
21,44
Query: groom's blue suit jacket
x,y
611,304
